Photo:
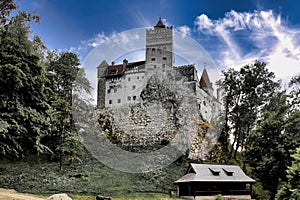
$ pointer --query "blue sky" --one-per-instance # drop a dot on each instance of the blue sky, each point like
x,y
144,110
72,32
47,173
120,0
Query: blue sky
x,y
233,32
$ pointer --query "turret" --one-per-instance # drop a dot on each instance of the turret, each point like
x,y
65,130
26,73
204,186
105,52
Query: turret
x,y
101,72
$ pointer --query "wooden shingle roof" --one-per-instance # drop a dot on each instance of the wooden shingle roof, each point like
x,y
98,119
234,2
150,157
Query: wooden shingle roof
x,y
214,173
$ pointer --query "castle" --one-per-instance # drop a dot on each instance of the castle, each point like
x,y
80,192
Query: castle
x,y
122,84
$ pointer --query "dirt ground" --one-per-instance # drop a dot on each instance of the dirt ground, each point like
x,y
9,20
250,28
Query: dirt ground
x,y
13,195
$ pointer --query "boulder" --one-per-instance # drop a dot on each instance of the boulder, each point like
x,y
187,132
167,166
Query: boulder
x,y
59,197
98,197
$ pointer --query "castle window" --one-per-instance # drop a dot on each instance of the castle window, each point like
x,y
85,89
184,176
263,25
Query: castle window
x,y
112,72
129,79
154,66
164,65
164,51
108,91
204,103
134,98
153,59
199,106
129,98
110,101
138,77
153,51
119,100
115,90
164,58
133,87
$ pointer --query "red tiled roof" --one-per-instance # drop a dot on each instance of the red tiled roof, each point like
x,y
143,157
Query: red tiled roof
x,y
160,24
204,81
118,70
114,70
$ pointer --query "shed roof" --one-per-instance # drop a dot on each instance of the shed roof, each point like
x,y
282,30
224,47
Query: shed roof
x,y
214,173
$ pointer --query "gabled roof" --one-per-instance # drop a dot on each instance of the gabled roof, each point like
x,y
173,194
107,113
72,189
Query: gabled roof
x,y
118,70
103,64
214,173
160,24
204,81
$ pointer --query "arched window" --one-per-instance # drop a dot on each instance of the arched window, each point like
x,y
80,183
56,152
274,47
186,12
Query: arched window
x,y
153,52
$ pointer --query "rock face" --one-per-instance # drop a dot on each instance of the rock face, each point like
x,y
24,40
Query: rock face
x,y
166,114
103,198
59,197
156,120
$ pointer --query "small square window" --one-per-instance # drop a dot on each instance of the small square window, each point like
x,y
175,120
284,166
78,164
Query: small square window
x,y
133,87
129,98
129,79
137,77
164,65
134,98
153,59
110,101
119,100
113,72
108,91
164,58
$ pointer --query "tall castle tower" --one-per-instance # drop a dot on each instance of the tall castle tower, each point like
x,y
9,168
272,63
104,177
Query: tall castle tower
x,y
159,47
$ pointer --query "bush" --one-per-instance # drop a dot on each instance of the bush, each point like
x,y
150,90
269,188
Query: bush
x,y
219,197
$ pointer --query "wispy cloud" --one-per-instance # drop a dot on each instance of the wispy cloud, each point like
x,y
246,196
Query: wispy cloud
x,y
140,18
250,36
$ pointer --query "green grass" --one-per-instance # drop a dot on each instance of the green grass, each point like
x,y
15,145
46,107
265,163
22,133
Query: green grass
x,y
134,196
89,178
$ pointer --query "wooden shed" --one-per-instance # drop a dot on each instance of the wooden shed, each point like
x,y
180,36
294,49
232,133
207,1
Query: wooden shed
x,y
210,180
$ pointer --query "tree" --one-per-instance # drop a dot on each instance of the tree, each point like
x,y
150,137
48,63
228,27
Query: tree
x,y
269,146
64,74
6,7
23,105
245,93
291,189
295,92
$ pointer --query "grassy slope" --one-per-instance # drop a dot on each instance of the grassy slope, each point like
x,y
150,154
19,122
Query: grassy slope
x,y
90,177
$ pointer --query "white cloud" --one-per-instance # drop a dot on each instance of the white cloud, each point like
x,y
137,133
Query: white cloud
x,y
184,31
248,36
203,23
97,41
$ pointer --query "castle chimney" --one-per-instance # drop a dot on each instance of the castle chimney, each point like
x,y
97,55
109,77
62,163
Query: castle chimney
x,y
112,63
125,62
